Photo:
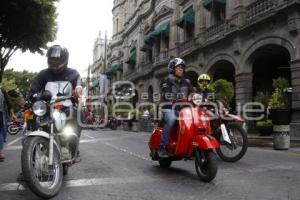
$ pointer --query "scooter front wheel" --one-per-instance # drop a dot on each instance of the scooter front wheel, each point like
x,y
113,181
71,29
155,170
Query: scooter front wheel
x,y
206,165
165,163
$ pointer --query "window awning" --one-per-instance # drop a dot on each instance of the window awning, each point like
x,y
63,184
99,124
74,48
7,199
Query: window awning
x,y
208,4
114,68
164,28
120,66
188,17
132,57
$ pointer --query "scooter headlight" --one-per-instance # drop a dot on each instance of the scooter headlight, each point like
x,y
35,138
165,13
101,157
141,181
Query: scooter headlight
x,y
39,108
197,99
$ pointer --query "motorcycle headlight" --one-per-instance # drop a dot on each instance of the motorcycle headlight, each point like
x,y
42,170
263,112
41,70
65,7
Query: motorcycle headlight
x,y
197,99
39,108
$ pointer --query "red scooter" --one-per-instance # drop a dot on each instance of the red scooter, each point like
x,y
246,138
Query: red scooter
x,y
190,139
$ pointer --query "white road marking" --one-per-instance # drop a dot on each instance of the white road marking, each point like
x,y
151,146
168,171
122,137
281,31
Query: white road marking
x,y
96,182
126,151
14,141
89,136
17,147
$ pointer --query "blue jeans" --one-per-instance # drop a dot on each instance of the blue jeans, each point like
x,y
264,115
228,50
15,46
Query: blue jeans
x,y
170,118
2,131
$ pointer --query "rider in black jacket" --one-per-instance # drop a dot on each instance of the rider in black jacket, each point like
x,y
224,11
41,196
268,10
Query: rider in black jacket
x,y
173,87
58,70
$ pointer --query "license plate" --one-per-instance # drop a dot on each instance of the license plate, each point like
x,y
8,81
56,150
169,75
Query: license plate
x,y
225,133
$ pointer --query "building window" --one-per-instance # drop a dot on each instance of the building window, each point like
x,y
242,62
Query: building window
x,y
187,23
131,60
218,14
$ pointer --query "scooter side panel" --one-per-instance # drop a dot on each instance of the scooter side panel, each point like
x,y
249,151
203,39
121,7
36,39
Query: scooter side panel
x,y
155,139
206,142
185,133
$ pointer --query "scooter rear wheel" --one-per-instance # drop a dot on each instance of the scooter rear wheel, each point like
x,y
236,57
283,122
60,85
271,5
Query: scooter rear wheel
x,y
206,165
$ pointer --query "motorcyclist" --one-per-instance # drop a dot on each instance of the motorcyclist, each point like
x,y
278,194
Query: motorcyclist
x,y
58,70
173,87
204,85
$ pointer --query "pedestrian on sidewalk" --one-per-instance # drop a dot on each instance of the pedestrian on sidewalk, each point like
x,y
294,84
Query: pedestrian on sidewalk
x,y
5,113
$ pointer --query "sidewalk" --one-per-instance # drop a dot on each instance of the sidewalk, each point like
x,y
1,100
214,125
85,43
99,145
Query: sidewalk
x,y
267,141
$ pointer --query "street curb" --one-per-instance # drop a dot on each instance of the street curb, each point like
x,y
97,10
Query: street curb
x,y
267,141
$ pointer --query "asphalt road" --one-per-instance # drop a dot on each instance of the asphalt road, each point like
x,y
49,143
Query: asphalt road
x,y
116,165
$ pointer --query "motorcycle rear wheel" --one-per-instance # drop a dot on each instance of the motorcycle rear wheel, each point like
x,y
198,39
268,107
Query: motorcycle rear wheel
x,y
42,180
233,153
206,165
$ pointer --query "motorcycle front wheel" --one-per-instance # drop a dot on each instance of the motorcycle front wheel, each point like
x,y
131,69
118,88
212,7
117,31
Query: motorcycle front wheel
x,y
239,143
206,165
42,179
13,129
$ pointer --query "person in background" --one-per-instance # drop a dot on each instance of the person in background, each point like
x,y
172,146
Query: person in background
x,y
6,113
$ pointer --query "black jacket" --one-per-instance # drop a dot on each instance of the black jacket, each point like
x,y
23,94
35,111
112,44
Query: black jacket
x,y
172,89
47,75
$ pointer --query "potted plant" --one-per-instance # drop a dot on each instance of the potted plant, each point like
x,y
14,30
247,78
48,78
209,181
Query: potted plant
x,y
280,114
264,127
279,111
224,91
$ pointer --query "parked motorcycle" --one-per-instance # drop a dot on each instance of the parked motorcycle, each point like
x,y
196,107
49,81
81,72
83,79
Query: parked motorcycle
x,y
190,139
228,129
52,147
16,126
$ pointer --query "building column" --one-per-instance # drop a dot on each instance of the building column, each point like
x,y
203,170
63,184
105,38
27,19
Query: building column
x,y
295,76
243,88
239,13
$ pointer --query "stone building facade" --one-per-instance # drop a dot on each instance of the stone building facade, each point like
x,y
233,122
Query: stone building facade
x,y
248,42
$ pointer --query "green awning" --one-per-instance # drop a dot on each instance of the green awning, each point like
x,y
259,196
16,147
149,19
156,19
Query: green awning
x,y
112,69
188,17
209,4
120,67
132,57
164,28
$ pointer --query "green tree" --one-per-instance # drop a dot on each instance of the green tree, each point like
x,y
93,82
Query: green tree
x,y
22,79
25,25
9,84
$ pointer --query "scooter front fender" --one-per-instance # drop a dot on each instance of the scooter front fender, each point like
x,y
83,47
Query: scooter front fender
x,y
42,134
206,142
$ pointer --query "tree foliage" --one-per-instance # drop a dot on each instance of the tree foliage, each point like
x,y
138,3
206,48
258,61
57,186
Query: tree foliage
x,y
25,25
22,79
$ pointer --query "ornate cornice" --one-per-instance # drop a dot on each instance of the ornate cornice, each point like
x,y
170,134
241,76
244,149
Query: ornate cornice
x,y
118,5
164,11
140,17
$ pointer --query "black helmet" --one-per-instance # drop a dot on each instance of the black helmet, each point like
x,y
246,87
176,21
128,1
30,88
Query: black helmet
x,y
57,58
175,62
